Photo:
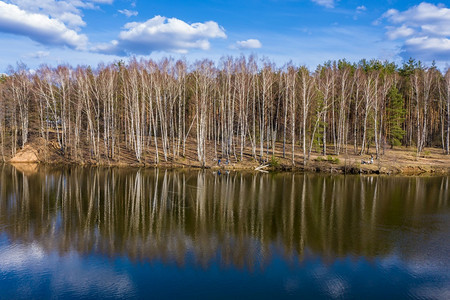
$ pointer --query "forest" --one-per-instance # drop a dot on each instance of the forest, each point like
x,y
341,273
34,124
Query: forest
x,y
154,109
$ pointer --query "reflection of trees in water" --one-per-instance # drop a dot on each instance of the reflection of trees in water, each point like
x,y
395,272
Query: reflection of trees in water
x,y
236,219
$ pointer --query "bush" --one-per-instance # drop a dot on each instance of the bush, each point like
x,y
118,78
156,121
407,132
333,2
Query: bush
x,y
333,160
395,143
274,162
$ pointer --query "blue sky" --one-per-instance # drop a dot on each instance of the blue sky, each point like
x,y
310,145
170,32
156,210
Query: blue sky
x,y
307,32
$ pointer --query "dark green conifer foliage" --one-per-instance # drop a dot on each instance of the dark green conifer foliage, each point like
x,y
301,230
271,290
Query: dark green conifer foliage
x,y
396,117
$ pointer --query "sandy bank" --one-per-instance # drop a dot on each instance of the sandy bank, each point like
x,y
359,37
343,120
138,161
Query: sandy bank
x,y
394,161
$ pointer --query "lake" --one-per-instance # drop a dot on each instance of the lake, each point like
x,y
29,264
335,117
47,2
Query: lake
x,y
95,232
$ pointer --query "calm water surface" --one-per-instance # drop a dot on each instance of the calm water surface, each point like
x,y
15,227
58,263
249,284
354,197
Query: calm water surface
x,y
118,233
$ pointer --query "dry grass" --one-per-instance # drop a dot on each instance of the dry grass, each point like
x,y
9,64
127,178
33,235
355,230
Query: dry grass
x,y
399,160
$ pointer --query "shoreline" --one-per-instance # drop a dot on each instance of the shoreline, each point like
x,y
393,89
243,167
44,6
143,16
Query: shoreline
x,y
398,161
312,168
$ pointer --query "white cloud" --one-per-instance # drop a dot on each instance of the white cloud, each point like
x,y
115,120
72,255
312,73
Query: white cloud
x,y
162,34
394,33
431,19
72,20
422,13
39,27
103,1
437,29
361,8
67,11
38,54
248,44
326,3
429,45
424,30
128,13
108,48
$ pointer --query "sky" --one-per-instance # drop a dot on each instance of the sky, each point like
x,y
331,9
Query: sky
x,y
306,32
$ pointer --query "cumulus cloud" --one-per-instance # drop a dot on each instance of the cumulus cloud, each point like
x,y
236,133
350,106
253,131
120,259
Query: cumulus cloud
x,y
49,22
162,34
128,13
394,33
39,27
326,3
424,13
432,47
67,11
248,44
424,30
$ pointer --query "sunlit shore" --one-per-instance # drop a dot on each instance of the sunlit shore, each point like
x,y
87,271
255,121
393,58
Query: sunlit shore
x,y
400,160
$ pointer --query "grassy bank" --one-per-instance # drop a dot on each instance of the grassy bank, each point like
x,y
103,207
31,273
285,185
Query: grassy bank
x,y
399,160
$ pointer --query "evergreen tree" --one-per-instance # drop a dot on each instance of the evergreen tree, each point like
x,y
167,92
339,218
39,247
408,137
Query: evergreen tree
x,y
395,117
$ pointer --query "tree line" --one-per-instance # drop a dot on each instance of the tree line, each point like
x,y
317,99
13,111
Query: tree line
x,y
225,108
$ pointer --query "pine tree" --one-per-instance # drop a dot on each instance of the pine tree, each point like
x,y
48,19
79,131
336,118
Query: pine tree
x,y
395,117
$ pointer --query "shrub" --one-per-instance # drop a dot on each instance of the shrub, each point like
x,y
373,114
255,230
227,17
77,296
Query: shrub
x,y
274,162
333,160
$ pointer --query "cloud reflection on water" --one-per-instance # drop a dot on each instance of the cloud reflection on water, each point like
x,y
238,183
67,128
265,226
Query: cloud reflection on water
x,y
71,226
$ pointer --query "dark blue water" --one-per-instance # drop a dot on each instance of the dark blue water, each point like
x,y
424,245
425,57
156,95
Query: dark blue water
x,y
106,233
